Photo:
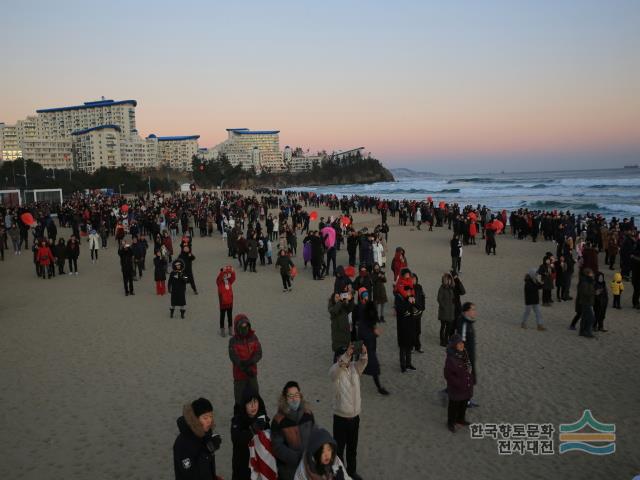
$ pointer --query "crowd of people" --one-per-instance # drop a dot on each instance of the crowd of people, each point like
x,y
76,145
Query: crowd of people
x,y
291,444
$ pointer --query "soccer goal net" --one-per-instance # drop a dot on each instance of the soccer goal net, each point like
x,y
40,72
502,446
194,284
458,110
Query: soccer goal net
x,y
50,195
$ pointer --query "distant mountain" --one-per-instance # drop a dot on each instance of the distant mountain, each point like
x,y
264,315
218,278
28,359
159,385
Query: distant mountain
x,y
407,172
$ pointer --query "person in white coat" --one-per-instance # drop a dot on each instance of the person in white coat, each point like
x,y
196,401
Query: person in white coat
x,y
94,244
345,374
378,252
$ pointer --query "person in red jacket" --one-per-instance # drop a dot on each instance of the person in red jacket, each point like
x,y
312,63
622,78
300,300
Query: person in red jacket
x,y
399,262
225,280
245,352
44,258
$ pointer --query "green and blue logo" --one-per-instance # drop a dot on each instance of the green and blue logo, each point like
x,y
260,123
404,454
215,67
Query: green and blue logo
x,y
602,441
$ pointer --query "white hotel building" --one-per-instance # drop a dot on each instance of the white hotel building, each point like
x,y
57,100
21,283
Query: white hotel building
x,y
93,135
259,149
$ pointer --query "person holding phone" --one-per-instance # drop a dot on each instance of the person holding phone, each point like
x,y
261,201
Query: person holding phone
x,y
345,375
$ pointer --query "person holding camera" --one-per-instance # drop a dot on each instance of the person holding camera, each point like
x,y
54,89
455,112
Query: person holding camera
x,y
250,418
345,374
194,449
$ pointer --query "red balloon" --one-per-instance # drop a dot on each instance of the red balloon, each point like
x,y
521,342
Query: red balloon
x,y
346,221
441,205
27,219
124,208
313,215
350,271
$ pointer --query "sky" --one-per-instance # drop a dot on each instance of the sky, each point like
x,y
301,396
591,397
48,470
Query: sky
x,y
440,86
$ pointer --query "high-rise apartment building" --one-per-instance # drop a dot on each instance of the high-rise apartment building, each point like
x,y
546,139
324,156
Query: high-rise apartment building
x,y
63,121
259,149
93,135
176,152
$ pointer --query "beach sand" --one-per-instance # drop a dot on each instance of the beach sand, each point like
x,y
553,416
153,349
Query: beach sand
x,y
93,381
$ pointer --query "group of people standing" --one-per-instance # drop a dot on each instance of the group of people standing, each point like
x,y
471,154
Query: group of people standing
x,y
291,444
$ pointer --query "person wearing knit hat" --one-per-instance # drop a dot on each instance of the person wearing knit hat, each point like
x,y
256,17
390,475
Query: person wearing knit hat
x,y
195,447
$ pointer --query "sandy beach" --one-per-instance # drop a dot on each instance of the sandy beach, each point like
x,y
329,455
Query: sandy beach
x,y
92,381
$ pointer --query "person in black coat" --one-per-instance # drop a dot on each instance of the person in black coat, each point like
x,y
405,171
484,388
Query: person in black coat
x,y
159,272
126,265
368,331
317,256
342,282
465,328
405,324
532,299
419,305
352,246
187,259
61,255
178,288
250,417
458,291
73,252
195,447
363,280
600,304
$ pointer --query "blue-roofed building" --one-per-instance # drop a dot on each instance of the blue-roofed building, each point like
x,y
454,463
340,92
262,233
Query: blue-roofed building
x,y
258,149
176,151
100,133
61,122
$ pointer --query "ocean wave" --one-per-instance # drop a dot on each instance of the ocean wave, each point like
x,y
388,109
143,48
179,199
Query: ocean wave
x,y
480,180
556,204
540,185
623,207
424,191
601,182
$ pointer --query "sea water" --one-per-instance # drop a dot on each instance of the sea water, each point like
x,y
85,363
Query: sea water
x,y
612,193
